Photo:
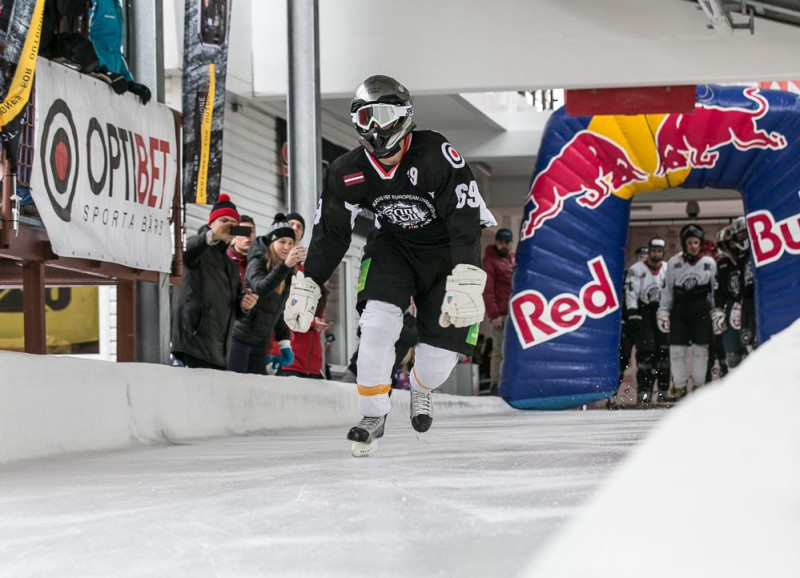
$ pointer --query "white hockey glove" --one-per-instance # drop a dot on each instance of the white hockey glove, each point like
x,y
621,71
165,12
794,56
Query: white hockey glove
x,y
662,320
463,300
718,325
302,303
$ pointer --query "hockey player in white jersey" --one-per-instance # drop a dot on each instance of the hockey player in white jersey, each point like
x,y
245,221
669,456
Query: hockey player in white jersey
x,y
642,298
426,245
686,311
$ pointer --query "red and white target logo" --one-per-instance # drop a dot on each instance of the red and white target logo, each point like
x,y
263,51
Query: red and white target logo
x,y
452,155
59,158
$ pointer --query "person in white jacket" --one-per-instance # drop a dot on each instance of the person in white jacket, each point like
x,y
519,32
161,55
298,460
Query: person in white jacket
x,y
642,299
686,310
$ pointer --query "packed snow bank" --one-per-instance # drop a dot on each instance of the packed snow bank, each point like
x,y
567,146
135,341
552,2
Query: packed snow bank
x,y
713,491
51,405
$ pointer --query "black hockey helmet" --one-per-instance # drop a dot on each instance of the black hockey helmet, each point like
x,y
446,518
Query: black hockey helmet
x,y
692,230
739,235
381,112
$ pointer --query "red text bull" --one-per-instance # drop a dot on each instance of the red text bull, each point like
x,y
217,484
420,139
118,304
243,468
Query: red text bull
x,y
692,140
589,165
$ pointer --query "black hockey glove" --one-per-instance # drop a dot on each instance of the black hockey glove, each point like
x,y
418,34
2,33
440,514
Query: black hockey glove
x,y
633,324
140,90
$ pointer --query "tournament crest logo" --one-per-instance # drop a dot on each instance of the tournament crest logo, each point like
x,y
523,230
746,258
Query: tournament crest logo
x,y
406,211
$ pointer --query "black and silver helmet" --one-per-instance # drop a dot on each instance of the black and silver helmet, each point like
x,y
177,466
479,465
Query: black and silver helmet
x,y
381,112
739,234
723,237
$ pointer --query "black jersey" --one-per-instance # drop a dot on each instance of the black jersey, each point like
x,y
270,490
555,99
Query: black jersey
x,y
729,282
430,199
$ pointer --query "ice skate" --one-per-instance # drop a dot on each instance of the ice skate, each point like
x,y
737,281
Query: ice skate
x,y
421,414
665,397
365,436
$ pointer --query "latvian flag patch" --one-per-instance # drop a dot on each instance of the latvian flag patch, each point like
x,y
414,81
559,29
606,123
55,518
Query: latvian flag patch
x,y
353,179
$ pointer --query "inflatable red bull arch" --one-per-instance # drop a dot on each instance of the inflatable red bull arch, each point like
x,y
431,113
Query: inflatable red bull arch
x,y
562,345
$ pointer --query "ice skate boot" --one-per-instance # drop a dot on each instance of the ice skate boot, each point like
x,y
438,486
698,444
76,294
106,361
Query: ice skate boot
x,y
365,436
665,397
421,410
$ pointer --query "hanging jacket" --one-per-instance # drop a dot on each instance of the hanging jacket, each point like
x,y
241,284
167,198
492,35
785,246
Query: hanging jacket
x,y
107,33
498,281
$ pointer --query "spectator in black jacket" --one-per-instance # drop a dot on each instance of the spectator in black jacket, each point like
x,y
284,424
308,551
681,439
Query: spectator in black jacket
x,y
210,299
272,260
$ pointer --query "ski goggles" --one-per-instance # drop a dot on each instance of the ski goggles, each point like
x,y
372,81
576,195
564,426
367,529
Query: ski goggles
x,y
382,114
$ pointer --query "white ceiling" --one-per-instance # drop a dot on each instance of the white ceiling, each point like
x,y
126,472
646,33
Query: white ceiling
x,y
446,48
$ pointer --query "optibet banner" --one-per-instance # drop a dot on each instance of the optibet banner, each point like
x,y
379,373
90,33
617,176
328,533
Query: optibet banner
x,y
205,62
104,171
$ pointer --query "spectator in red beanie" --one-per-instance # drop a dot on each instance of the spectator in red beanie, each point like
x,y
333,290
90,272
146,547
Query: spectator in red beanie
x,y
210,299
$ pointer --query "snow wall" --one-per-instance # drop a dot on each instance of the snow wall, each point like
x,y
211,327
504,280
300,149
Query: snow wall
x,y
57,405
562,348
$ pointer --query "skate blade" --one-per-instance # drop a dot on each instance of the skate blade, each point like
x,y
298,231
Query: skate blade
x,y
363,450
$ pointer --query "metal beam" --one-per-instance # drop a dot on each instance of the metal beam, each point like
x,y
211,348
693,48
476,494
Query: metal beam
x,y
303,108
147,64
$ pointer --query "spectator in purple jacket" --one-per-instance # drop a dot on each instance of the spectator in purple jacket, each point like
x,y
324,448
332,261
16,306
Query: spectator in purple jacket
x,y
498,262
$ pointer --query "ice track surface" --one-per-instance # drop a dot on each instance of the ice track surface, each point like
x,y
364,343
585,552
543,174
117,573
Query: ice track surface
x,y
475,496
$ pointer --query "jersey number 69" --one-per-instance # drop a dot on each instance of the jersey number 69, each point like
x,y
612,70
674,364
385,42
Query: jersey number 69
x,y
468,195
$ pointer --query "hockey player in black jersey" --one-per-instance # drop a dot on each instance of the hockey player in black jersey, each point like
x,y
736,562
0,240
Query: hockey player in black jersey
x,y
733,255
426,245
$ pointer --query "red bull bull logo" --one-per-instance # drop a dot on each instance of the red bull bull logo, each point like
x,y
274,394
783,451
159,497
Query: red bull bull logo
x,y
537,319
590,167
771,239
693,140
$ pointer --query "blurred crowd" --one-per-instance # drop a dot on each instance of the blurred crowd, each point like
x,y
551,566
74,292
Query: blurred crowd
x,y
689,319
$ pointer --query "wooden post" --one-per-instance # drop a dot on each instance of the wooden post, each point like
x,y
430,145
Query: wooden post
x,y
126,320
33,307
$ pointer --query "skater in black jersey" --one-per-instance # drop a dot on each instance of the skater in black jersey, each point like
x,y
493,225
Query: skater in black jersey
x,y
426,246
733,255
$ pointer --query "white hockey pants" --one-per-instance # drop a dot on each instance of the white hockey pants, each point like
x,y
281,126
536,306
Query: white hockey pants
x,y
677,359
381,324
